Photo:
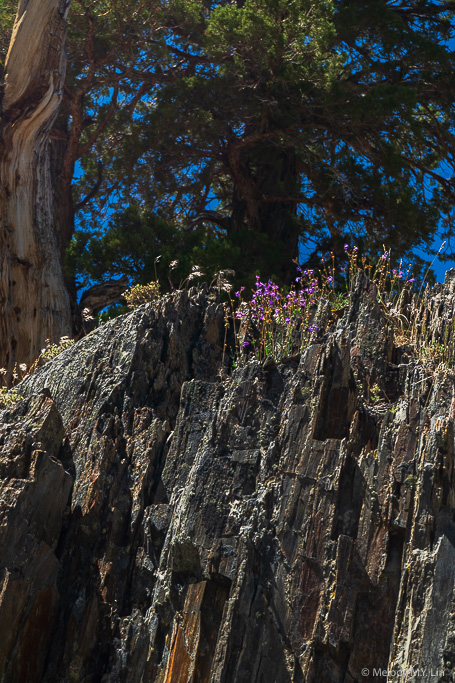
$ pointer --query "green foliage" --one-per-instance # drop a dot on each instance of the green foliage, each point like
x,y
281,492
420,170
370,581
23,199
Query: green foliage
x,y
51,350
8,397
277,42
142,294
375,394
7,14
411,482
112,312
326,122
136,238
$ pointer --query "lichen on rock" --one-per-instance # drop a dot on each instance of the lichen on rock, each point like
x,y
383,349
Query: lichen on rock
x,y
163,522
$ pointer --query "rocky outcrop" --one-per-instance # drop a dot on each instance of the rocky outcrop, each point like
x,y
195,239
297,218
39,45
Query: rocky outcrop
x,y
164,521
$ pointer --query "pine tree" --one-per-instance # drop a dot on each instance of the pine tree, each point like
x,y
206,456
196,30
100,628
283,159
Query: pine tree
x,y
323,122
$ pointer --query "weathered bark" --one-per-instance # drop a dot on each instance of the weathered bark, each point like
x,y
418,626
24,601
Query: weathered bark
x,y
34,303
62,170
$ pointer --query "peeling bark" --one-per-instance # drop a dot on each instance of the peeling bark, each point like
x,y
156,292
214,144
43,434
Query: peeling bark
x,y
34,303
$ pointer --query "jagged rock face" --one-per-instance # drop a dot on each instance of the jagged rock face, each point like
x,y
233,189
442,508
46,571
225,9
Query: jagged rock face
x,y
163,522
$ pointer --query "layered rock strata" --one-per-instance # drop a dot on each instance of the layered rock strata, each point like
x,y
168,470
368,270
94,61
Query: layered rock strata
x,y
163,520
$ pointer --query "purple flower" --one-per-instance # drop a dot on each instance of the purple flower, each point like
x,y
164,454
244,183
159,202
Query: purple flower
x,y
346,247
384,256
411,280
330,279
245,343
356,249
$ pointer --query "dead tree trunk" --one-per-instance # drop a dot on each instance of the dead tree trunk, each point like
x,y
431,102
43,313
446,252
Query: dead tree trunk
x,y
34,302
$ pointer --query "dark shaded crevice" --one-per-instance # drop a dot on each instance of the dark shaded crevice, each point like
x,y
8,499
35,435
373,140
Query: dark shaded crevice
x,y
216,595
351,496
330,664
338,397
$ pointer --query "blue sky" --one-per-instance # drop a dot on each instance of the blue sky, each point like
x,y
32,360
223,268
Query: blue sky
x,y
438,266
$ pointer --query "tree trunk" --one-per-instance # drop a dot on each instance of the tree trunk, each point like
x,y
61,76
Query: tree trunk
x,y
34,302
62,170
264,200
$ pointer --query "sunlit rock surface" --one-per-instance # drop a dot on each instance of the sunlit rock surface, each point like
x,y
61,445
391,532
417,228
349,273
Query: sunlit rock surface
x,y
163,521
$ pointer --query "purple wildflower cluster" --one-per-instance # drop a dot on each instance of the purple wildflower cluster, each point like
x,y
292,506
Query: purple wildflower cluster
x,y
278,317
400,275
279,323
269,303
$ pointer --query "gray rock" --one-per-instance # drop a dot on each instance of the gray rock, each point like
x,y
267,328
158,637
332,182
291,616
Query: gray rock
x,y
162,521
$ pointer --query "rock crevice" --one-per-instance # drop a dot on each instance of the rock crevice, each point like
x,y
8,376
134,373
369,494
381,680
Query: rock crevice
x,y
162,521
